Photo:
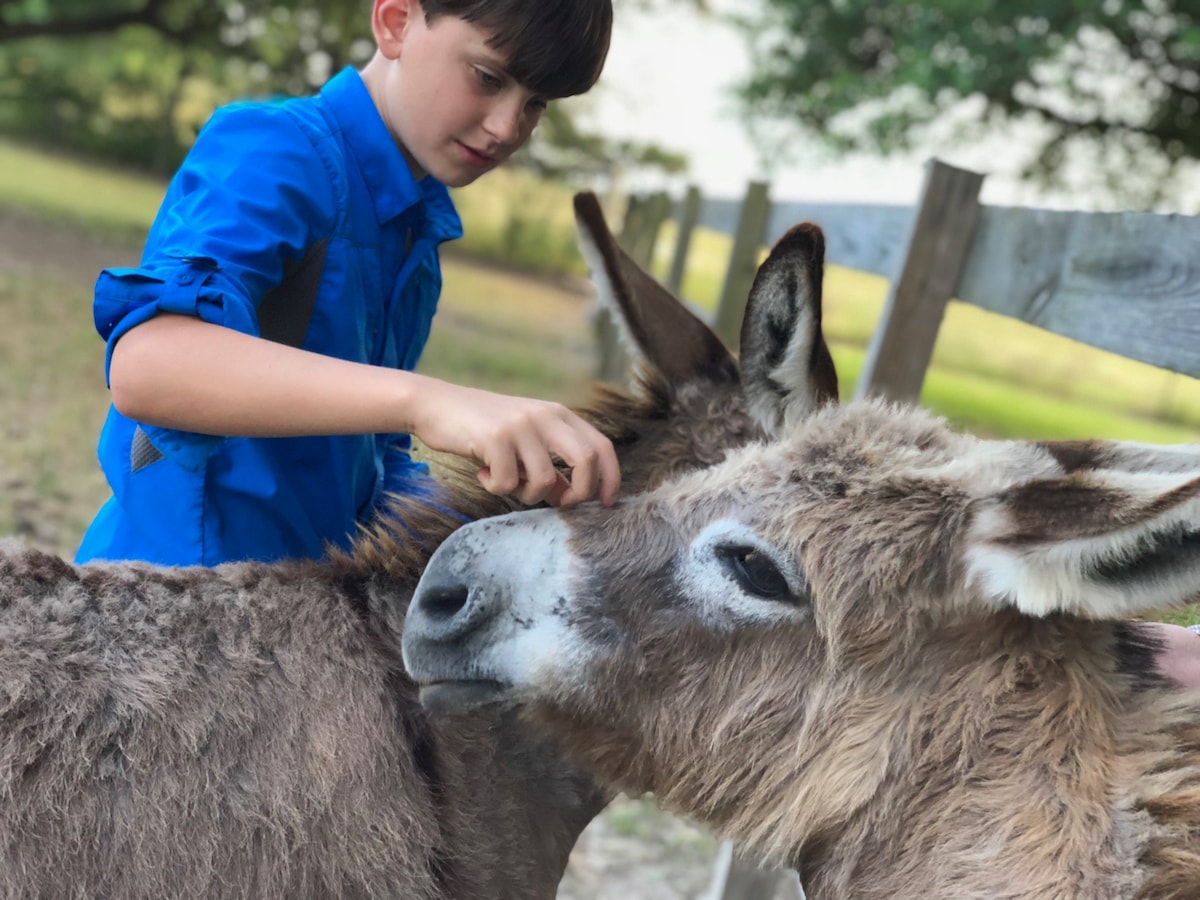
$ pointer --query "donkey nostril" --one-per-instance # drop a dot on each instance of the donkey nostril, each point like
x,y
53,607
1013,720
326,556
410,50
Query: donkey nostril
x,y
444,601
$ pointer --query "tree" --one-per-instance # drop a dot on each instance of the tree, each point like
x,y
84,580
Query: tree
x,y
1115,83
564,150
113,76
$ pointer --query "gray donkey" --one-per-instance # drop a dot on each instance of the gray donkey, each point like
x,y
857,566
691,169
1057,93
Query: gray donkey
x,y
877,650
249,730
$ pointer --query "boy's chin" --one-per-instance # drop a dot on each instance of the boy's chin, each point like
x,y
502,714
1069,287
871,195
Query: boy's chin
x,y
455,170
460,175
463,179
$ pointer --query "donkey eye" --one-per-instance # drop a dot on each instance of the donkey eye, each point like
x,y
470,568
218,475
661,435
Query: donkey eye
x,y
755,572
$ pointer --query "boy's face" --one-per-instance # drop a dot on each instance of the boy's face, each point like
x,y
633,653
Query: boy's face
x,y
447,97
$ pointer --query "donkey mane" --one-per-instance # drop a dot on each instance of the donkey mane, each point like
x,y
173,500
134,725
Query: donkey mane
x,y
398,543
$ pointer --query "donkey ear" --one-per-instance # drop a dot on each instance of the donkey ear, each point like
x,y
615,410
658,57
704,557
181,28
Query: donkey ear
x,y
786,365
1127,456
656,325
1101,544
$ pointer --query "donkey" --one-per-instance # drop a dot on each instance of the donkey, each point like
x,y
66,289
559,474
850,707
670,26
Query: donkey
x,y
876,650
249,731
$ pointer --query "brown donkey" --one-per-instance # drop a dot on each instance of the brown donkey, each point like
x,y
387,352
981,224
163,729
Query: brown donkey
x,y
876,650
249,731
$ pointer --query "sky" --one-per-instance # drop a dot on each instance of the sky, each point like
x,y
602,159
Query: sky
x,y
669,78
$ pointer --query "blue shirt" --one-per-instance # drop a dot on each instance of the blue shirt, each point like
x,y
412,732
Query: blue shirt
x,y
270,190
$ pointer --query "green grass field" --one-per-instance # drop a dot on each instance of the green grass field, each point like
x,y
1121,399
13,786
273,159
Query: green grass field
x,y
57,187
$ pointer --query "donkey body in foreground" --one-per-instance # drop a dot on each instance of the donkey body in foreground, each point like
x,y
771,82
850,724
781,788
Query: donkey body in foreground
x,y
876,650
249,731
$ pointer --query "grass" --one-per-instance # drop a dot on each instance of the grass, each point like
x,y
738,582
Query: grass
x,y
104,199
52,403
515,219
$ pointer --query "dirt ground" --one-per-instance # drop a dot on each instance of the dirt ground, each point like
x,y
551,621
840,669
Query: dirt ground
x,y
632,851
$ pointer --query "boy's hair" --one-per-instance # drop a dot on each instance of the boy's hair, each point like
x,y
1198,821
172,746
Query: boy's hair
x,y
554,47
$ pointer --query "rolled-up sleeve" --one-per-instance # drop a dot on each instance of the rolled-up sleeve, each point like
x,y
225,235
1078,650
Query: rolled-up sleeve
x,y
252,195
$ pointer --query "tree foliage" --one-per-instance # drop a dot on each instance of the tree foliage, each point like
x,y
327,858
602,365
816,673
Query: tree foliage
x,y
134,80
1113,83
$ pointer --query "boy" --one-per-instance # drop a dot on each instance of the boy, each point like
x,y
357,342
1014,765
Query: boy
x,y
286,292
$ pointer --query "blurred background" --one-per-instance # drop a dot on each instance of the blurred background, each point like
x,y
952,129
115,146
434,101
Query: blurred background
x,y
1088,106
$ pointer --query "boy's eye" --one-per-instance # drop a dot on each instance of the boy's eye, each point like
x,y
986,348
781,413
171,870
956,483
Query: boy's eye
x,y
537,105
487,79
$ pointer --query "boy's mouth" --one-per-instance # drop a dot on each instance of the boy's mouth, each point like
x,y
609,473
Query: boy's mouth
x,y
476,157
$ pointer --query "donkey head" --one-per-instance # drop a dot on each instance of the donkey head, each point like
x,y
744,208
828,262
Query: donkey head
x,y
788,375
764,642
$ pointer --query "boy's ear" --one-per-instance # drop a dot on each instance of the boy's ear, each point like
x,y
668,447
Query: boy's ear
x,y
390,21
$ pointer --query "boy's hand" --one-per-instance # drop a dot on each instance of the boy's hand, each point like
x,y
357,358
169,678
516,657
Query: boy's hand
x,y
514,438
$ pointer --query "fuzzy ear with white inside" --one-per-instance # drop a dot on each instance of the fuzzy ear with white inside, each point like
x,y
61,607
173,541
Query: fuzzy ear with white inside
x,y
656,326
1102,543
1126,456
786,366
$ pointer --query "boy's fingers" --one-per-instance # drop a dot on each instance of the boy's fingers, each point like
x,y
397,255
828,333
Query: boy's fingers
x,y
540,477
525,468
500,473
610,473
584,476
602,471
555,497
595,471
578,448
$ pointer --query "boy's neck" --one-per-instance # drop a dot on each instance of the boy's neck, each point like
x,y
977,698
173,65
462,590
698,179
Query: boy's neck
x,y
373,75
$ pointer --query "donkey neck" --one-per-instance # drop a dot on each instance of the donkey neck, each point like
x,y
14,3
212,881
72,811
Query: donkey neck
x,y
1018,774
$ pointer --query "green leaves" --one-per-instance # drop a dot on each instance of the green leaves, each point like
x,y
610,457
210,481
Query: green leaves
x,y
1112,75
133,80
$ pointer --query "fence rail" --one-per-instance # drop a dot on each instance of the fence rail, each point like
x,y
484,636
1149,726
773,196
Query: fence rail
x,y
1125,282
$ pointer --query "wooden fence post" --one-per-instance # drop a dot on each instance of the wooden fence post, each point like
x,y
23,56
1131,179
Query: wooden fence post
x,y
643,220
645,236
743,263
689,214
629,222
938,248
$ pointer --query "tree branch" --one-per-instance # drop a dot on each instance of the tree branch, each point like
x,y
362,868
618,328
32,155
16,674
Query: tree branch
x,y
1094,126
147,15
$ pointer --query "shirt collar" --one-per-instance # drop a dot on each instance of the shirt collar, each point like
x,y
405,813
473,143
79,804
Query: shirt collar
x,y
389,180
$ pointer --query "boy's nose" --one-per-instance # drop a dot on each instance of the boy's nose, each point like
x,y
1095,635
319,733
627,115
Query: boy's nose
x,y
504,122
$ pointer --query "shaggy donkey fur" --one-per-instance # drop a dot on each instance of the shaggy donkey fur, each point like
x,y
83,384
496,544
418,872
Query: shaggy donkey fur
x,y
249,731
879,651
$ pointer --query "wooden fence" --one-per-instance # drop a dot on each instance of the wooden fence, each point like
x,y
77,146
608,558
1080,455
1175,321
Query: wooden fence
x,y
1128,283
1125,282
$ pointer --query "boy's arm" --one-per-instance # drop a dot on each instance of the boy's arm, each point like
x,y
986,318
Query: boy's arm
x,y
180,372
